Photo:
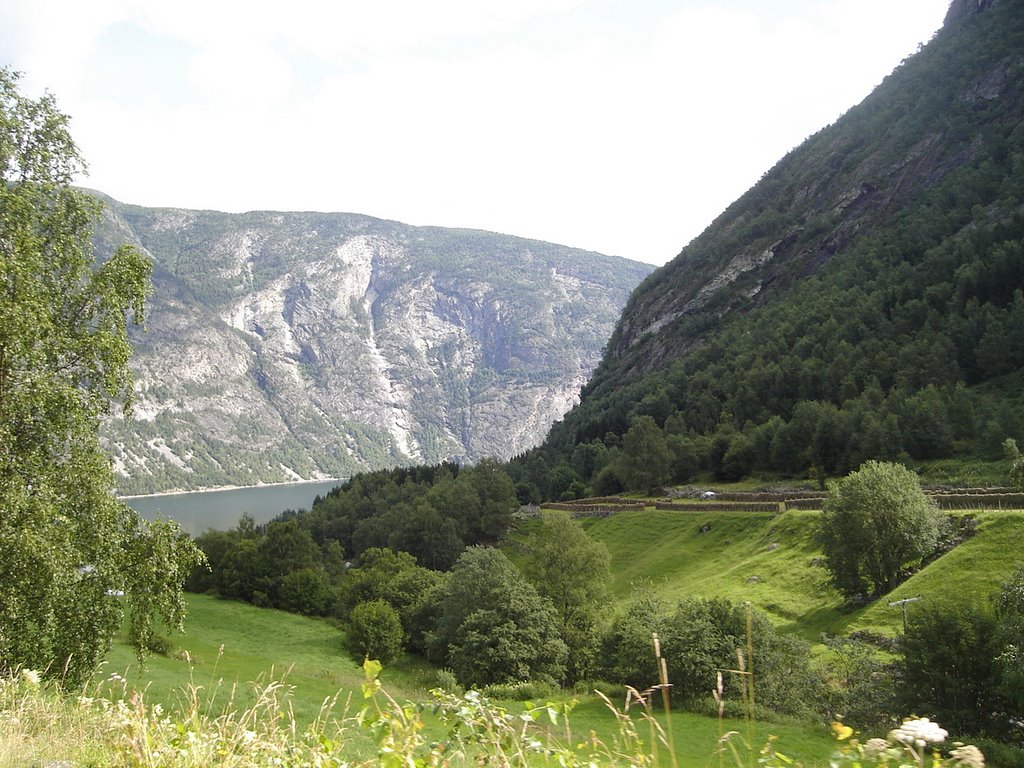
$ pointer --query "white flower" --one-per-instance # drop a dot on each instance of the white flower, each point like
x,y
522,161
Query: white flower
x,y
31,677
968,756
874,747
918,733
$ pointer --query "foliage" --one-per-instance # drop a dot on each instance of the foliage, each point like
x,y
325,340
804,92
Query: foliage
x,y
913,744
306,591
876,523
107,727
703,637
962,661
573,571
374,631
627,654
67,545
645,462
493,626
402,525
394,578
1016,460
863,690
949,662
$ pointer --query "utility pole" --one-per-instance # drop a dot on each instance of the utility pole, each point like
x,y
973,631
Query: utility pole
x,y
903,604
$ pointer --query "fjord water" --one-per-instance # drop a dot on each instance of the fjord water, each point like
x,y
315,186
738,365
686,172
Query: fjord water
x,y
198,512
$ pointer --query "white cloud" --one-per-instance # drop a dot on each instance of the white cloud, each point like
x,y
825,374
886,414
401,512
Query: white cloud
x,y
559,120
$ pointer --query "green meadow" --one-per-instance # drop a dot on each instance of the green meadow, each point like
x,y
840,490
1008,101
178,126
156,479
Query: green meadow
x,y
230,650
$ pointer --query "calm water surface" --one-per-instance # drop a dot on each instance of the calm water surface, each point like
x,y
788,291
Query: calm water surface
x,y
198,512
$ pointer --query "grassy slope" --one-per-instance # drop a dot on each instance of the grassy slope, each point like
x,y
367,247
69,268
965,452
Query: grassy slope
x,y
258,644
265,645
667,551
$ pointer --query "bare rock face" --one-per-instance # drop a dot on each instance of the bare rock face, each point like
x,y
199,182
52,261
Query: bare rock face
x,y
306,346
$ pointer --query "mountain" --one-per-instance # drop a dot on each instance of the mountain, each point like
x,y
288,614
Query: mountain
x,y
862,300
282,346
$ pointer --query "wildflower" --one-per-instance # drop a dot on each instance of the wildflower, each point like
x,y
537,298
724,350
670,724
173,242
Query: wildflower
x,y
31,677
967,756
918,733
875,747
842,732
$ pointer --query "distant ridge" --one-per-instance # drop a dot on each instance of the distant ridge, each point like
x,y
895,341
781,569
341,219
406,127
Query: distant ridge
x,y
305,345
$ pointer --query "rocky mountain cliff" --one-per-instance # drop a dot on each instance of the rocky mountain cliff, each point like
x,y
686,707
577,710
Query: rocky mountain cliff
x,y
282,346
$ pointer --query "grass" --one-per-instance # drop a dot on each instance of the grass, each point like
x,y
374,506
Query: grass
x,y
696,737
768,559
975,568
773,561
41,727
232,644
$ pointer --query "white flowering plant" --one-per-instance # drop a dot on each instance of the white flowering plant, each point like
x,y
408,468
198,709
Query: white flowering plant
x,y
911,745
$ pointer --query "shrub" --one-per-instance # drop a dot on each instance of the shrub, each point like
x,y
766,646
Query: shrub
x,y
525,690
374,632
950,663
445,680
306,591
493,626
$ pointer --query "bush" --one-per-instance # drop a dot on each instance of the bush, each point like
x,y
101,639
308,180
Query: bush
x,y
950,664
526,690
493,626
160,645
627,653
863,690
445,680
706,635
306,591
374,632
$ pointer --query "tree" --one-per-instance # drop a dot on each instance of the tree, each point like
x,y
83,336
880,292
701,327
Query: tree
x,y
646,460
573,571
704,636
67,545
374,632
493,627
950,667
627,651
1016,460
875,523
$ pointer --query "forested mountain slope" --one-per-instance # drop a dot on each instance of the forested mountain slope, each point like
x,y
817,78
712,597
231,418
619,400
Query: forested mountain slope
x,y
862,300
301,345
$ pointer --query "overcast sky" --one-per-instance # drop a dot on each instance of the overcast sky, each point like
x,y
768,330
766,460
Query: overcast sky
x,y
620,126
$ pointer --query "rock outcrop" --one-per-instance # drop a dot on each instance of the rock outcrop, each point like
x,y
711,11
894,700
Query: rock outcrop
x,y
285,346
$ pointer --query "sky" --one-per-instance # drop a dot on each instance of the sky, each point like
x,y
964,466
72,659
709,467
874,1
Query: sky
x,y
618,126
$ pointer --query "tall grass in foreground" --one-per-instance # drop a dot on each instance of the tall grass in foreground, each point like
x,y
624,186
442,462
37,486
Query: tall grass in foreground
x,y
102,728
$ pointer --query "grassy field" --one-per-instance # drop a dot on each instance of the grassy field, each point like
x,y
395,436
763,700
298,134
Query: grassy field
x,y
774,562
229,645
769,559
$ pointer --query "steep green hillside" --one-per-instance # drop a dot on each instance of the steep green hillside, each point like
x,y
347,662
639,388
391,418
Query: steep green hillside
x,y
863,300
773,561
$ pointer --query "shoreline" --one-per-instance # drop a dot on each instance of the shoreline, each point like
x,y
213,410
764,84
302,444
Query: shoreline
x,y
221,488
